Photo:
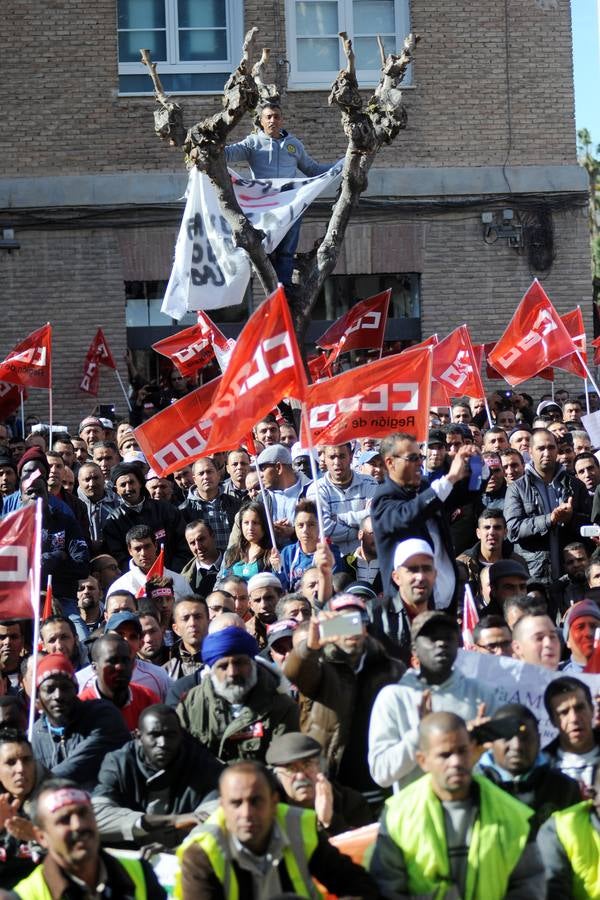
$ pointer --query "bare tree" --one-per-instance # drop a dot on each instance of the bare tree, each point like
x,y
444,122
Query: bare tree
x,y
367,127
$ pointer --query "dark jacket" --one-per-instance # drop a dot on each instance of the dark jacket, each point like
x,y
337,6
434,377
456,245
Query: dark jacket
x,y
62,536
350,809
96,728
202,581
336,704
165,521
529,526
127,785
470,568
265,713
399,513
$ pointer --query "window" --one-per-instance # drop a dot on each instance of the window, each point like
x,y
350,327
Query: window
x,y
315,50
196,44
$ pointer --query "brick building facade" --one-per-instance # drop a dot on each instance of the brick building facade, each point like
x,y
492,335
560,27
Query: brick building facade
x,y
92,194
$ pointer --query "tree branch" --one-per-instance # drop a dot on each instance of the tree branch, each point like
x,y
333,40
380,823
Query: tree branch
x,y
168,119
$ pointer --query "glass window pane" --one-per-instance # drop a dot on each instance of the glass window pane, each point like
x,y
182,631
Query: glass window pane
x,y
202,13
317,18
373,17
141,13
130,43
155,315
318,54
136,313
367,51
202,45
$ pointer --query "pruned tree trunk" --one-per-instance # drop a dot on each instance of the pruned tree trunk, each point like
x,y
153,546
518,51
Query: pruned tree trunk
x,y
367,128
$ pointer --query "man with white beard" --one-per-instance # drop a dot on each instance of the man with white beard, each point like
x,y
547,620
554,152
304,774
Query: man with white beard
x,y
236,711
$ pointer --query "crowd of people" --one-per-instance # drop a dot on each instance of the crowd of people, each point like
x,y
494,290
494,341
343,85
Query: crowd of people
x,y
243,663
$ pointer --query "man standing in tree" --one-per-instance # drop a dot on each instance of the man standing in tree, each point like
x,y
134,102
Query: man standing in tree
x,y
273,152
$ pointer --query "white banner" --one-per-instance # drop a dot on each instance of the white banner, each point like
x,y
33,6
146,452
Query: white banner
x,y
209,271
518,682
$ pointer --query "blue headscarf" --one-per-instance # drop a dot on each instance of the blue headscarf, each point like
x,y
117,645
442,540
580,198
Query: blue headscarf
x,y
230,641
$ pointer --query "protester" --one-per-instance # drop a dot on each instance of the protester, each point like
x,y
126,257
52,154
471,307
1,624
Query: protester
x,y
190,624
207,501
535,640
579,628
202,570
576,750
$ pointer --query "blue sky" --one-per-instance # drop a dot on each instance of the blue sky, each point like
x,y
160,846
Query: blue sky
x,y
586,54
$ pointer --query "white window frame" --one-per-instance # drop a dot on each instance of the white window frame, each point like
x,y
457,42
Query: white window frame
x,y
322,80
172,65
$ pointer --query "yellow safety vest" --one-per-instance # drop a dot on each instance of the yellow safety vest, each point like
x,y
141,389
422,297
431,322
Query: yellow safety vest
x,y
34,887
415,822
582,845
299,827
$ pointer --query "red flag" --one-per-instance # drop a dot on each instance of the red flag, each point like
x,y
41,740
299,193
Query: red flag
x,y
177,435
17,542
596,346
470,618
391,394
455,365
546,374
534,339
319,367
30,362
573,322
47,610
10,398
189,350
98,355
156,570
265,366
361,328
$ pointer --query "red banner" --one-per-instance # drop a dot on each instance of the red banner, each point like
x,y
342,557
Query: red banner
x,y
10,398
30,362
534,339
178,435
391,394
98,355
596,346
573,322
361,328
319,367
265,366
189,350
17,543
455,366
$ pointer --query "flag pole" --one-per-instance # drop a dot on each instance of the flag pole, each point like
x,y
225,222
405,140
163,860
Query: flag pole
x,y
21,393
587,371
50,405
488,411
35,576
120,380
269,518
315,474
587,396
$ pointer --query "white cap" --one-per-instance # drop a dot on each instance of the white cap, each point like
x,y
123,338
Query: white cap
x,y
299,450
411,547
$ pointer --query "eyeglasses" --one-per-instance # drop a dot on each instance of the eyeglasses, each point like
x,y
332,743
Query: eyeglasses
x,y
495,645
411,458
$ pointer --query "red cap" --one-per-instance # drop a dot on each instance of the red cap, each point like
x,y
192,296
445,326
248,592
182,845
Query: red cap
x,y
54,664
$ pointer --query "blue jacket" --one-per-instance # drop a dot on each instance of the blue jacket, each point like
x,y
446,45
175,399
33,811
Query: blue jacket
x,y
270,158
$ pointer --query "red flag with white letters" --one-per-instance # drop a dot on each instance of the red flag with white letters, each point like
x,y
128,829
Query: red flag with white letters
x,y
573,322
391,394
535,338
98,355
177,435
189,350
17,543
596,346
455,365
546,374
361,328
265,365
30,362
10,398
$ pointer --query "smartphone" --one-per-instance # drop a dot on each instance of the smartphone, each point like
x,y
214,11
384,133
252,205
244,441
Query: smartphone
x,y
344,625
589,531
492,460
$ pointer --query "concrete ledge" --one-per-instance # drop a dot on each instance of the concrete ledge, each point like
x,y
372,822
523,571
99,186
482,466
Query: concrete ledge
x,y
157,188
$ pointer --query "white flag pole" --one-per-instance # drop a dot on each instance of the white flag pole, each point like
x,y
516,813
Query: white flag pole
x,y
125,394
315,474
587,396
587,371
263,494
21,393
35,575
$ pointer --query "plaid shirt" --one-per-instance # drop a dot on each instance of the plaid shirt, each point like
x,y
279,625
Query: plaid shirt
x,y
218,513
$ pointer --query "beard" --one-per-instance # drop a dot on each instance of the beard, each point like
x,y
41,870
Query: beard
x,y
234,692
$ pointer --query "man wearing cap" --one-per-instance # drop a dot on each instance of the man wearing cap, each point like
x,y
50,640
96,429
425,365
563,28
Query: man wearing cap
x,y
579,628
91,430
403,507
285,487
370,462
75,866
296,761
264,591
545,509
137,508
207,501
551,409
515,764
414,576
149,790
435,685
71,737
339,679
143,550
279,642
507,578
236,710
436,459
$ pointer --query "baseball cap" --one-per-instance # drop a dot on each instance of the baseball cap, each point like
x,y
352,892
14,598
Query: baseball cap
x,y
346,602
545,405
275,453
366,456
361,589
577,611
299,450
120,617
292,746
436,436
506,567
411,547
284,628
424,619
